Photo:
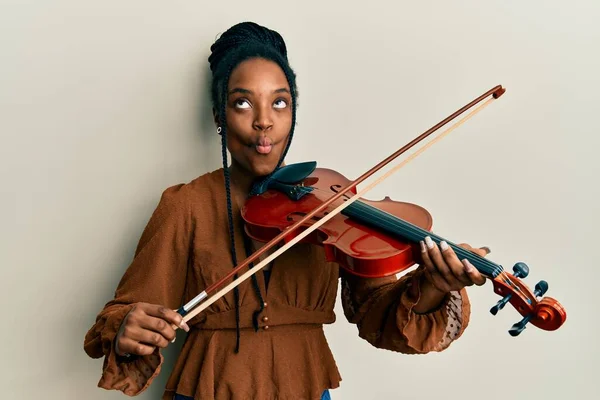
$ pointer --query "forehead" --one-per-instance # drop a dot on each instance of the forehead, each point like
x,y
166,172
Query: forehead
x,y
258,73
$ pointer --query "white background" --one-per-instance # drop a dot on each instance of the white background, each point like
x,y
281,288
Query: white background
x,y
105,104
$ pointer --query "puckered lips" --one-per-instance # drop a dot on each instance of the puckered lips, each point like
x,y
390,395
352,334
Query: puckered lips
x,y
264,145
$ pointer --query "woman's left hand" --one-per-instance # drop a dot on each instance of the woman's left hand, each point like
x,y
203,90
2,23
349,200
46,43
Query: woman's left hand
x,y
445,271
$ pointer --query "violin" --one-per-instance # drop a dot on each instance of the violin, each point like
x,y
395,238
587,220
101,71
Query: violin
x,y
370,239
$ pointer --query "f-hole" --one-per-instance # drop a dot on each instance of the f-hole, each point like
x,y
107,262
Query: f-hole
x,y
336,189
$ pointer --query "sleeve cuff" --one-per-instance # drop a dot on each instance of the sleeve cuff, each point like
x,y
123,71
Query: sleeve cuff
x,y
436,329
130,375
111,328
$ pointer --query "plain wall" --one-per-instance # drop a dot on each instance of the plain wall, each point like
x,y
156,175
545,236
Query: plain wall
x,y
105,104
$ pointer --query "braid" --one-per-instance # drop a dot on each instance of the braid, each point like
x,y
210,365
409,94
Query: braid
x,y
256,287
223,104
229,209
222,117
241,42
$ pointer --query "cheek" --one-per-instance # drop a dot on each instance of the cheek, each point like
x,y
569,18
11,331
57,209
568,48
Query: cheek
x,y
239,121
283,123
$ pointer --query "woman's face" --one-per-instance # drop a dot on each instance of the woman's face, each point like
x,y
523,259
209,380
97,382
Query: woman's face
x,y
259,115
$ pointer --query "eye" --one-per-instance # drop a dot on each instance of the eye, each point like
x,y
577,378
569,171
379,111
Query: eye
x,y
241,103
280,103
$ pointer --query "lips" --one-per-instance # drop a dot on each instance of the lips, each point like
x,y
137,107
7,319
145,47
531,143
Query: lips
x,y
264,145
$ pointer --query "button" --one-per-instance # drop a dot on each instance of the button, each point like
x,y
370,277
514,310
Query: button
x,y
265,318
266,327
265,304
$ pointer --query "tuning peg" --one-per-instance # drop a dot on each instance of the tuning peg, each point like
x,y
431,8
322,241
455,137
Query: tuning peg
x,y
520,326
500,304
521,270
541,288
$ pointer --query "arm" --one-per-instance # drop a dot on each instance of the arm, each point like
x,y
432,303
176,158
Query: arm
x,y
424,311
156,276
384,311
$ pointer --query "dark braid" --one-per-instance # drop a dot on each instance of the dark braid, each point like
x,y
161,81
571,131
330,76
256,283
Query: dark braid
x,y
236,292
239,43
256,313
232,236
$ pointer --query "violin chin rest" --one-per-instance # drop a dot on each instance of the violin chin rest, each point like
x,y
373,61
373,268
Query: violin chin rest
x,y
294,172
289,174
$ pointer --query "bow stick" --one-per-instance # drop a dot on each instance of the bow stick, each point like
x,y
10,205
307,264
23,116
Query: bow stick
x,y
191,309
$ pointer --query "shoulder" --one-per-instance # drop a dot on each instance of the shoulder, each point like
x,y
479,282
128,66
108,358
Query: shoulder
x,y
195,194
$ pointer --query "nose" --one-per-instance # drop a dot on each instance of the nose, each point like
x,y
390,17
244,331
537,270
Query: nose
x,y
263,119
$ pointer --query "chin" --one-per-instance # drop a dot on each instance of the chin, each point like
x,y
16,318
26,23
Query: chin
x,y
262,168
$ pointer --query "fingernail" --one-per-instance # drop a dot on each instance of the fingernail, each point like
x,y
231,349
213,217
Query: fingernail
x,y
429,242
423,250
444,245
184,326
173,341
468,266
487,249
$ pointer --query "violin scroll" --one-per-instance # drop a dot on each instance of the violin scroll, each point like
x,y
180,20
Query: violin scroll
x,y
545,313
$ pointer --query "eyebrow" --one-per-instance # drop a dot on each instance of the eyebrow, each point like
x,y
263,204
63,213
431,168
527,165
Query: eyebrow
x,y
246,91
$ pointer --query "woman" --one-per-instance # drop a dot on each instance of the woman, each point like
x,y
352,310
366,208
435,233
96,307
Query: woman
x,y
264,340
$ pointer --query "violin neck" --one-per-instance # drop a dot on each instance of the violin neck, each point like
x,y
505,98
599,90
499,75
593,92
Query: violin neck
x,y
391,224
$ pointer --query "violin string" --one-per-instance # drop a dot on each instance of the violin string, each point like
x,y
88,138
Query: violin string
x,y
415,233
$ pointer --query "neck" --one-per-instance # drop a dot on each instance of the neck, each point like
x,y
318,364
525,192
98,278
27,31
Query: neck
x,y
241,183
241,179
383,220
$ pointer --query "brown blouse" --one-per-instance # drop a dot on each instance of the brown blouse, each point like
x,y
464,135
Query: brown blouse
x,y
184,248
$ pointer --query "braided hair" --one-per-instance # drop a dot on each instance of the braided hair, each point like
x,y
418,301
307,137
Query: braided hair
x,y
241,42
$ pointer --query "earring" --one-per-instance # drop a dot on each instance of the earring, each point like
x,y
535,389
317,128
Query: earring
x,y
219,130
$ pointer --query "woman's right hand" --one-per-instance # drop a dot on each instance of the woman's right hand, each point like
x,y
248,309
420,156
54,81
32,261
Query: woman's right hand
x,y
146,327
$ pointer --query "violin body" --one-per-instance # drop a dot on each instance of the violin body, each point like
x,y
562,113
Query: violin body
x,y
374,239
360,249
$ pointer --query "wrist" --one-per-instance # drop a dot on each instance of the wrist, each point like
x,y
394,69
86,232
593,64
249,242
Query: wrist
x,y
430,297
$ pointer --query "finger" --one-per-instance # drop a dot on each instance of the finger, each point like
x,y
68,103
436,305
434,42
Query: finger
x,y
168,315
455,265
431,272
474,275
145,336
438,261
425,259
158,325
130,346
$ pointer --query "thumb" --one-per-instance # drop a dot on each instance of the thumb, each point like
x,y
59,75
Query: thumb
x,y
483,251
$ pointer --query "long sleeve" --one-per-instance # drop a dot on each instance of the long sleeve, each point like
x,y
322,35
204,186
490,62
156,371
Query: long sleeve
x,y
156,275
382,309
